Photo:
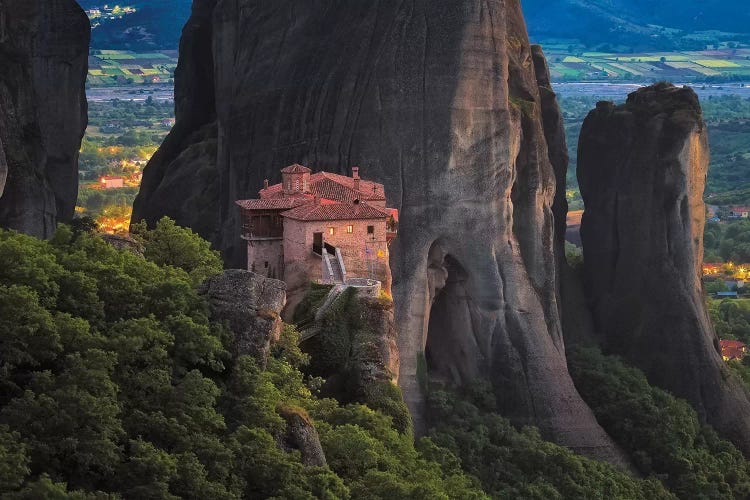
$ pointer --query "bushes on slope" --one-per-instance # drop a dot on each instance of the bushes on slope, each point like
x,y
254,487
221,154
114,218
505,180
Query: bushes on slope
x,y
661,433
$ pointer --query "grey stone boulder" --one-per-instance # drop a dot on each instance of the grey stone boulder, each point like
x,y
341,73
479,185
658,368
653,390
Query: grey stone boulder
x,y
251,306
301,435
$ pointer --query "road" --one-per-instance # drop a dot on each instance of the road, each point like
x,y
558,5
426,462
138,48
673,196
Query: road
x,y
131,93
603,90
618,91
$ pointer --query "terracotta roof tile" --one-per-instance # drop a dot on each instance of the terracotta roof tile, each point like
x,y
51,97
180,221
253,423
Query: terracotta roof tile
x,y
335,211
296,169
334,187
733,349
274,203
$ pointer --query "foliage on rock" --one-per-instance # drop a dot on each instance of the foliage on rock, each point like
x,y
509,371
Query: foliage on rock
x,y
114,383
661,433
513,463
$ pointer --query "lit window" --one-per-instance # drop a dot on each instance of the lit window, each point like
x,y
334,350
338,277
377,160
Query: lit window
x,y
370,229
350,229
296,185
331,231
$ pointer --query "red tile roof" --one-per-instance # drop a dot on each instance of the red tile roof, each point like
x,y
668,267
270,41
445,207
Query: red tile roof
x,y
334,187
296,169
733,349
275,203
335,211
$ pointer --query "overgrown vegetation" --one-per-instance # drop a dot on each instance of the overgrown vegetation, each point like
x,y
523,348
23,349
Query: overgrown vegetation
x,y
344,347
727,242
512,463
661,433
114,383
731,318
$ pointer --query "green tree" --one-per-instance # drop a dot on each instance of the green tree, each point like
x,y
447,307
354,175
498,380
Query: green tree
x,y
170,245
661,433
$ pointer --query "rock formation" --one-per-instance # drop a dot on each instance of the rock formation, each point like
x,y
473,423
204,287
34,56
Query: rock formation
x,y
352,342
642,169
43,110
301,435
251,305
439,100
181,180
3,169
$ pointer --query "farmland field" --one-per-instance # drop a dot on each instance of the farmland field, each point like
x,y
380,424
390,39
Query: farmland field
x,y
719,65
124,67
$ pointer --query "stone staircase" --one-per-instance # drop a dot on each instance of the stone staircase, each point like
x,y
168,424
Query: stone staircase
x,y
334,265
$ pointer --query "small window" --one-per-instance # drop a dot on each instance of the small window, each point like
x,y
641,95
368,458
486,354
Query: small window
x,y
350,229
331,231
296,185
266,265
370,229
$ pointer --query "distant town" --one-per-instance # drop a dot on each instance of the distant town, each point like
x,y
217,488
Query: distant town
x,y
97,14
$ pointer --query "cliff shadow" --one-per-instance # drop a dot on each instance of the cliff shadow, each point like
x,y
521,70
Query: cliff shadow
x,y
451,350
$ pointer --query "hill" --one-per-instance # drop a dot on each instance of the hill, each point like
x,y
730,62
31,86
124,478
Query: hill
x,y
639,24
137,24
622,24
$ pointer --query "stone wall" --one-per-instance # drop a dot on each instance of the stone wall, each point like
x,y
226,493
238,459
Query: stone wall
x,y
266,257
298,244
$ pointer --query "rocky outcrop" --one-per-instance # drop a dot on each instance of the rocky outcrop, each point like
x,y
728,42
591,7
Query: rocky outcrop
x,y
43,110
437,99
301,435
251,305
353,343
642,170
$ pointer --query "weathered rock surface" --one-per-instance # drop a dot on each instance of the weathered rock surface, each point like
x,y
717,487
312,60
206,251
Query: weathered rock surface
x,y
302,435
353,342
3,169
251,305
576,319
642,169
439,100
181,180
43,111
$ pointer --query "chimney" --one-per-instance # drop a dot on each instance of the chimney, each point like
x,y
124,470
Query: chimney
x,y
265,184
355,176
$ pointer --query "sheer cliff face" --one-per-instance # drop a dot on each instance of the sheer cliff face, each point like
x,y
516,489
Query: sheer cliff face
x,y
43,111
439,100
642,169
